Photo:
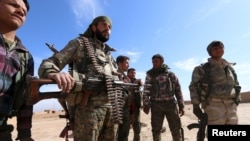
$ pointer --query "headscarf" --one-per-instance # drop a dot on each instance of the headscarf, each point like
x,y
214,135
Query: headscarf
x,y
89,33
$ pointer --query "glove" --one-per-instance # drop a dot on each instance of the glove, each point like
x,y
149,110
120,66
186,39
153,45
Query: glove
x,y
237,100
197,111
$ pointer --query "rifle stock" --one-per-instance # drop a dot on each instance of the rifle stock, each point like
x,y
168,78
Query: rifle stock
x,y
201,125
34,93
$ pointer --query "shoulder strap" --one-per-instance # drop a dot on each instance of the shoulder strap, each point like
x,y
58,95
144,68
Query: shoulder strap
x,y
19,91
206,78
234,74
24,58
170,79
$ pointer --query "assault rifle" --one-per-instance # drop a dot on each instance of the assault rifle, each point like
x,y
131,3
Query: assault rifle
x,y
201,125
35,95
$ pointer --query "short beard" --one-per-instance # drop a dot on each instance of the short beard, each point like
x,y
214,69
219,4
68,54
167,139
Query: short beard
x,y
100,37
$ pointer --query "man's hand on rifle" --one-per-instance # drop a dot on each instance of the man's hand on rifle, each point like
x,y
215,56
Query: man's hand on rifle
x,y
64,81
197,111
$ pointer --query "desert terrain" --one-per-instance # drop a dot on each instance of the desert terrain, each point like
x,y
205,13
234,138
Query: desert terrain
x,y
47,125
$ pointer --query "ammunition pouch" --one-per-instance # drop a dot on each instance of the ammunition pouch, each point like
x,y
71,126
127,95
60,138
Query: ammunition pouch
x,y
95,86
74,98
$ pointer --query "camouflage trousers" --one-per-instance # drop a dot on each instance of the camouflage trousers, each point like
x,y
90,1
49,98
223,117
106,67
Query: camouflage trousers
x,y
168,109
221,112
123,130
137,124
94,124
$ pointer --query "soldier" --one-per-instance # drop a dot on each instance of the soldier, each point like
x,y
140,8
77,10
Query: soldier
x,y
123,131
16,65
165,94
214,88
89,57
137,104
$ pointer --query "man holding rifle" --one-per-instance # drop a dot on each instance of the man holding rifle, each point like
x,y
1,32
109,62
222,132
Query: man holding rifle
x,y
90,58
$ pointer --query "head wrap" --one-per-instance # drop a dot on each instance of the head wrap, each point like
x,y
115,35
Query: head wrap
x,y
214,43
89,32
27,4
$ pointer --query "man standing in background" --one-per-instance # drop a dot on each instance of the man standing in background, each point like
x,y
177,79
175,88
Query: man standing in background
x,y
163,97
128,109
215,89
136,100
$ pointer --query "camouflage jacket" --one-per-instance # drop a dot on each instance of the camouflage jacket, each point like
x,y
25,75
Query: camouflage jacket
x,y
165,86
75,53
221,82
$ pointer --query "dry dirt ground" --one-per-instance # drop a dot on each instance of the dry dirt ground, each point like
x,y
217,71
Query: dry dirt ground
x,y
47,126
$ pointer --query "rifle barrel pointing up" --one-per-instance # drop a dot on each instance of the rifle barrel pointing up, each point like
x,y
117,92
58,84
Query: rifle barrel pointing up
x,y
51,47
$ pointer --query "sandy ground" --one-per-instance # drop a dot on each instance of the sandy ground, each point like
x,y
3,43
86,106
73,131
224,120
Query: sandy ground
x,y
48,126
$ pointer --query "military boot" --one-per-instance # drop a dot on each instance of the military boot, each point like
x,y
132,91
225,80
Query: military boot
x,y
178,136
5,132
136,137
156,136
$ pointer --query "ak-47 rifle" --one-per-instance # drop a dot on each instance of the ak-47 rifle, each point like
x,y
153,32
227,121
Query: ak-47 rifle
x,y
34,93
201,125
51,47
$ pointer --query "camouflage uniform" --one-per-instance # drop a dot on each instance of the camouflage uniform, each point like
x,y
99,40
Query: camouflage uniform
x,y
123,130
137,113
218,103
93,120
164,91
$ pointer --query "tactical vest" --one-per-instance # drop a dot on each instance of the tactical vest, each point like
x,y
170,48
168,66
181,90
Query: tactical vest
x,y
205,84
170,87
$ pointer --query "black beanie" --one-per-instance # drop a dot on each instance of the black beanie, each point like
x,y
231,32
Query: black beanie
x,y
26,4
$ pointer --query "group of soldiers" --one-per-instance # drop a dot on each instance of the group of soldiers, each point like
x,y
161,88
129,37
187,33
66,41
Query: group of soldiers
x,y
101,99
